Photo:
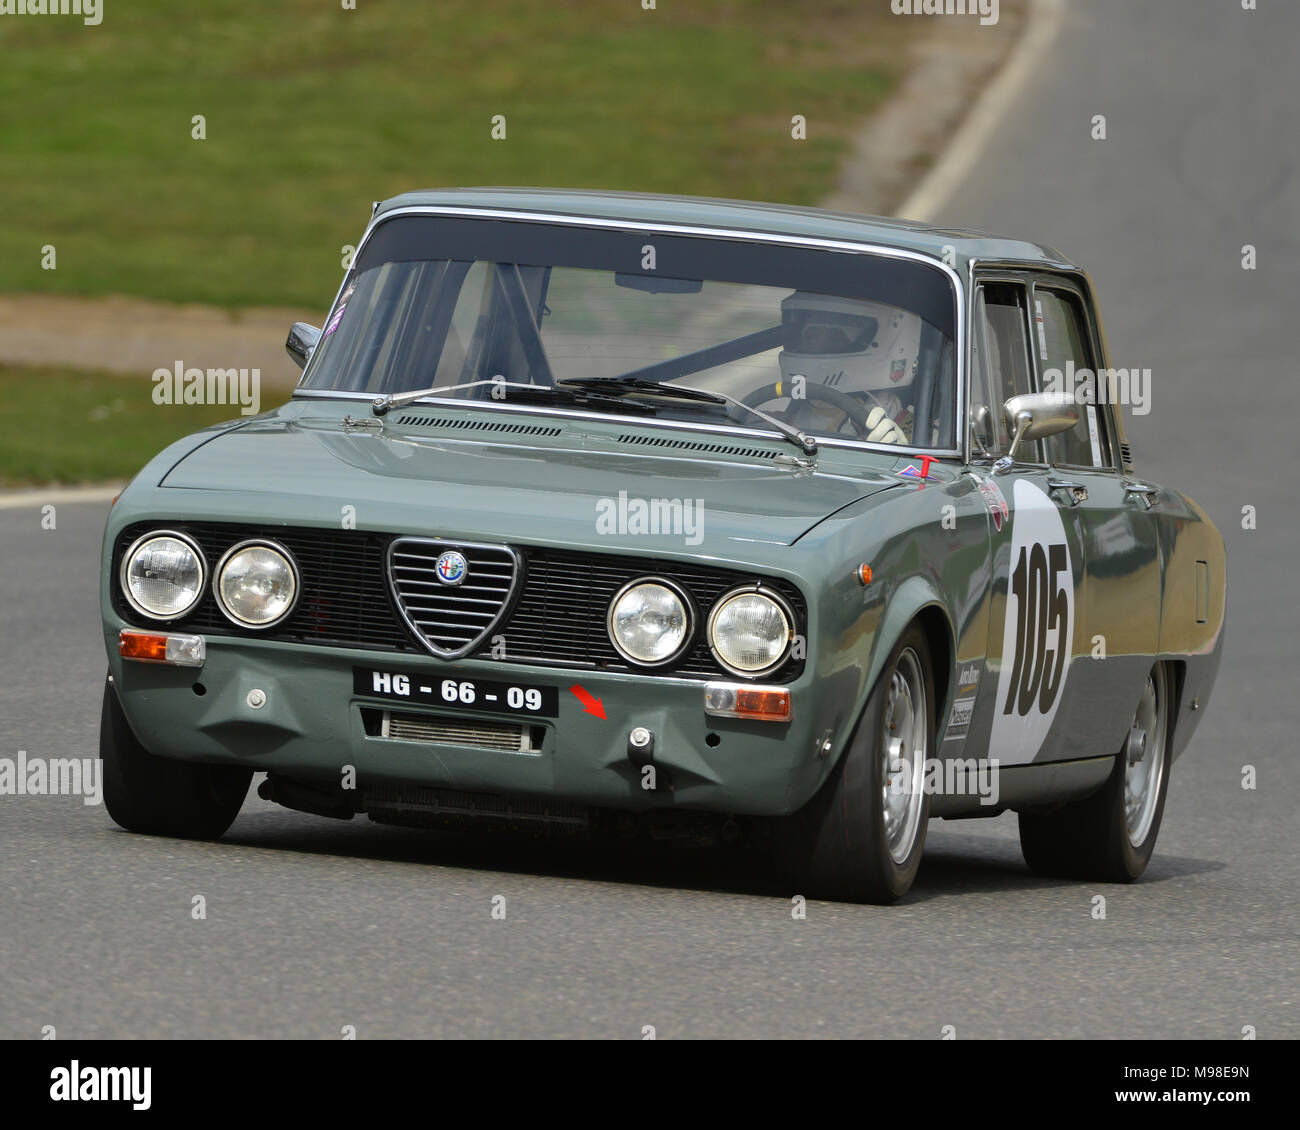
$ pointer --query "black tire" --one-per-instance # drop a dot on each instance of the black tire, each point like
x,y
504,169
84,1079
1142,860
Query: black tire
x,y
1089,838
157,795
837,845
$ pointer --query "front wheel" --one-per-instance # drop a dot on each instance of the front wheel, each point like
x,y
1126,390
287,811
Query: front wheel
x,y
145,793
1110,835
861,837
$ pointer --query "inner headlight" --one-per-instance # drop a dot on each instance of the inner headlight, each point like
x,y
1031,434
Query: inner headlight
x,y
649,621
257,584
163,574
750,631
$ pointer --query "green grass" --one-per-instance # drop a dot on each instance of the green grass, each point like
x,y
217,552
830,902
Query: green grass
x,y
68,426
314,111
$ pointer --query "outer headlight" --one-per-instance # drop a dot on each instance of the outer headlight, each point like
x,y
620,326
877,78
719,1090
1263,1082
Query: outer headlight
x,y
163,574
256,584
750,631
650,621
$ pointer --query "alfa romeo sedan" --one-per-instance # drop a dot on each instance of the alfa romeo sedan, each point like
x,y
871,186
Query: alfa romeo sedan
x,y
608,511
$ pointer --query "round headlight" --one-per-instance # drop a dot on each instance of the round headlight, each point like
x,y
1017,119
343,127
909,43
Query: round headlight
x,y
256,584
750,631
650,621
163,575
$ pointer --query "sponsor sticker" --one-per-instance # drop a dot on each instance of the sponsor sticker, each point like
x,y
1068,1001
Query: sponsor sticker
x,y
1042,333
961,714
338,314
1094,436
995,500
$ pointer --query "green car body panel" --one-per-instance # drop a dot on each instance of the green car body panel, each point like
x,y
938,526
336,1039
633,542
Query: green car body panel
x,y
1148,581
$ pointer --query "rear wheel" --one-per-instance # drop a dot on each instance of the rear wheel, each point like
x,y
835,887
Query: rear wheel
x,y
1111,834
162,797
861,837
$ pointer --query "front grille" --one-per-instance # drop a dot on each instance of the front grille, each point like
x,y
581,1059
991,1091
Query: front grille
x,y
425,728
557,617
451,619
344,602
560,615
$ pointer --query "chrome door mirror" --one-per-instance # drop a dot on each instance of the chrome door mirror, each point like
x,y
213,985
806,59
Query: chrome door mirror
x,y
301,342
981,428
1037,415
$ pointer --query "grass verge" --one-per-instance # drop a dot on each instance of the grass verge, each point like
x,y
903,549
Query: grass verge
x,y
312,111
61,425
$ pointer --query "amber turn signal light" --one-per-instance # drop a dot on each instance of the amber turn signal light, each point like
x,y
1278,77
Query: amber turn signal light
x,y
156,647
739,700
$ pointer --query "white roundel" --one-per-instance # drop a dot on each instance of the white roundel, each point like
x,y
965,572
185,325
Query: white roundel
x,y
1038,635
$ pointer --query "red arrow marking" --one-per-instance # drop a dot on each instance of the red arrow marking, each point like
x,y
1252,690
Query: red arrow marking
x,y
589,705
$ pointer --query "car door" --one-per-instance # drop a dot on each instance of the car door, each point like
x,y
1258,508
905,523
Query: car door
x,y
1113,512
1037,572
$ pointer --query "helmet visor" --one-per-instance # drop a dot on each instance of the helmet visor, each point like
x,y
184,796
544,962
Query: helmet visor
x,y
821,332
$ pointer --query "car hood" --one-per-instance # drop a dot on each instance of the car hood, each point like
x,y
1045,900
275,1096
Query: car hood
x,y
580,489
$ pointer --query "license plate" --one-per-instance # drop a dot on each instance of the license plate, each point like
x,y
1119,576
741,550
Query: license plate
x,y
451,690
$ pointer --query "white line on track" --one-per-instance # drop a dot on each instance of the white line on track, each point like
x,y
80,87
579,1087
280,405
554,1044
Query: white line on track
x,y
967,145
36,497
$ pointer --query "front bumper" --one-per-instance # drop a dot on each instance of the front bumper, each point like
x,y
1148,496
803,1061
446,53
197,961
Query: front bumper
x,y
312,725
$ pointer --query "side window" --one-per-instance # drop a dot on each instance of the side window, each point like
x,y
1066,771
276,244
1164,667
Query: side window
x,y
1066,364
1001,369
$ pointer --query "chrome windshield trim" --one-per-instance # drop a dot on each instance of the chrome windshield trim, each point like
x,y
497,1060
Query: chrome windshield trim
x,y
618,418
740,234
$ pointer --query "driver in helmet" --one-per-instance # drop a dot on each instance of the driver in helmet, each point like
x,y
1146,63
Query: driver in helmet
x,y
862,349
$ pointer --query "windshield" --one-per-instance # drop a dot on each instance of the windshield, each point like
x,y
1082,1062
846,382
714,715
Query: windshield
x,y
851,346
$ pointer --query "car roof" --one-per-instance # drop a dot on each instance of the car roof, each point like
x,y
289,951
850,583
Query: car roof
x,y
739,215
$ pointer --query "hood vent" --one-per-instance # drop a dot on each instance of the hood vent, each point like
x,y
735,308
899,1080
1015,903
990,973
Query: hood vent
x,y
696,445
412,420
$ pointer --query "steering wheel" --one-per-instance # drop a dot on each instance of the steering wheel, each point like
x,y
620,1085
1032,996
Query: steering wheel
x,y
854,410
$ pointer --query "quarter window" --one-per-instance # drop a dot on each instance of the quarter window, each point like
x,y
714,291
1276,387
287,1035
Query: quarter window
x,y
1001,368
1066,364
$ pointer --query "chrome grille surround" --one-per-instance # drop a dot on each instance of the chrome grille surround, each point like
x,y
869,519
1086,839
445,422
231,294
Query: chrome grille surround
x,y
450,621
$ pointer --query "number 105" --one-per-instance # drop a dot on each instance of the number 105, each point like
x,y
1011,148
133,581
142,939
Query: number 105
x,y
1041,605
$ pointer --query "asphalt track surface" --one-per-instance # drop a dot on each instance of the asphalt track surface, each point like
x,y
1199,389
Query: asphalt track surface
x,y
313,924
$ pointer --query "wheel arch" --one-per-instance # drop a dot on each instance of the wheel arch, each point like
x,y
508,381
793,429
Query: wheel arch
x,y
915,601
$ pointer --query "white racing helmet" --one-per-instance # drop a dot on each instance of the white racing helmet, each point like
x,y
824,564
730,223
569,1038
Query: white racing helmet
x,y
855,347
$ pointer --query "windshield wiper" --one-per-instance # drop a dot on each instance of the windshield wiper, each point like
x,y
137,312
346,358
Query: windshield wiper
x,y
630,385
605,392
552,394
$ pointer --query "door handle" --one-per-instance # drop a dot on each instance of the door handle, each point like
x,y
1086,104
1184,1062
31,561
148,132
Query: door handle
x,y
1075,492
1146,493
